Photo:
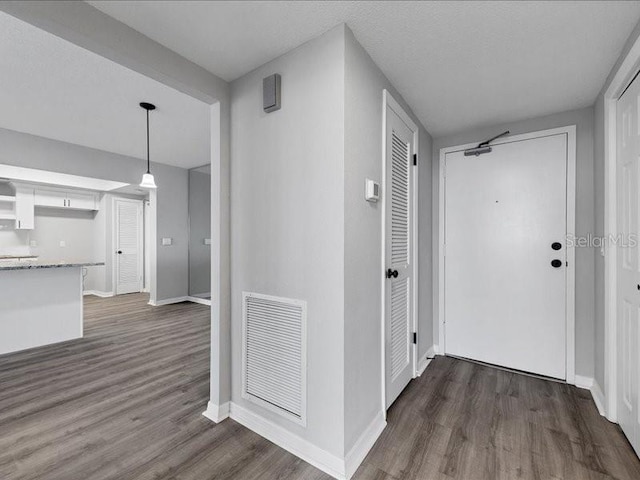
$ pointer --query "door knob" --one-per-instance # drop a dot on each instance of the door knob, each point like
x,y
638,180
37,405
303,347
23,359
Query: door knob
x,y
556,263
556,246
392,273
119,252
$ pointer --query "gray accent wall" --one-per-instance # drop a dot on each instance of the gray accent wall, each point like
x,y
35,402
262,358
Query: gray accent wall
x,y
30,151
364,84
287,205
585,204
302,228
199,230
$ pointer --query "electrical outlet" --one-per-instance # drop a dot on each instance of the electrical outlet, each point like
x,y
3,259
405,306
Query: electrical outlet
x,y
33,243
63,243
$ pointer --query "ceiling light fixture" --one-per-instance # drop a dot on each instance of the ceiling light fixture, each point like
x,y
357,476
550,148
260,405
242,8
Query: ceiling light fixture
x,y
147,179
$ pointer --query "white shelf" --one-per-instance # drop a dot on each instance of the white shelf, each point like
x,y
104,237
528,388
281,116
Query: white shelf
x,y
7,216
7,198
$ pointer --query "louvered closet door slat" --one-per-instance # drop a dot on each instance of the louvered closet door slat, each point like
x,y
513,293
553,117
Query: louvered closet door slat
x,y
399,201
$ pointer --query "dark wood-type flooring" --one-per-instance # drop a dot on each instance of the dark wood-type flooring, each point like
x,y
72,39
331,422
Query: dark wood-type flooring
x,y
125,403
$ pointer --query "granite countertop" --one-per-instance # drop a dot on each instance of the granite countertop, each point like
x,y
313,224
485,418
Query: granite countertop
x,y
28,265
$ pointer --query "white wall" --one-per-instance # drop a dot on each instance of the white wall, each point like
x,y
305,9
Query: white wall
x,y
585,270
364,84
287,205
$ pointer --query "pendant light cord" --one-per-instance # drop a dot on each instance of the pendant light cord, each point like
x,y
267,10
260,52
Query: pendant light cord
x,y
148,160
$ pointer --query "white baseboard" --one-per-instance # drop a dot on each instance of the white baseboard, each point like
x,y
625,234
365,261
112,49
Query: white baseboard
x,y
425,360
98,293
423,363
366,441
598,398
590,384
201,295
217,413
583,382
169,301
307,451
202,301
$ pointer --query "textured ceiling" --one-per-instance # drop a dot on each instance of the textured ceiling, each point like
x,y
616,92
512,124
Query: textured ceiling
x,y
54,89
458,64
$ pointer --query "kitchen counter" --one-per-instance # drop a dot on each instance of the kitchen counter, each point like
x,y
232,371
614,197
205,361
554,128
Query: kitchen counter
x,y
34,264
40,303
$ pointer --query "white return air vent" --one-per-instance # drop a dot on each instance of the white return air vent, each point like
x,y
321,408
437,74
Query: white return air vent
x,y
274,354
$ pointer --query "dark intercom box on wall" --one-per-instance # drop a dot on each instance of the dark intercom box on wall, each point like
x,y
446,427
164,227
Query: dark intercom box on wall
x,y
271,93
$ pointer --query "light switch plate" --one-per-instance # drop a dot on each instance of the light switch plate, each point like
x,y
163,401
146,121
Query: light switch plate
x,y
207,241
63,243
166,241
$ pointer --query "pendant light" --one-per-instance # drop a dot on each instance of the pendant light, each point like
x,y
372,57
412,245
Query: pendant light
x,y
147,179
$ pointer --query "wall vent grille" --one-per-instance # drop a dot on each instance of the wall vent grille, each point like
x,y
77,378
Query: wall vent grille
x,y
274,354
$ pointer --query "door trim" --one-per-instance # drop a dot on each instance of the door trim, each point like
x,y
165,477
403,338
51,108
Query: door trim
x,y
389,101
622,77
114,241
570,131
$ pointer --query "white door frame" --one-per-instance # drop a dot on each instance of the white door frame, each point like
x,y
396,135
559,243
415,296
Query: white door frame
x,y
114,242
570,131
389,101
621,79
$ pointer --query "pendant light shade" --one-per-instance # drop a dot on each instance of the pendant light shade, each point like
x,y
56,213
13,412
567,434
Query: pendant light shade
x,y
147,179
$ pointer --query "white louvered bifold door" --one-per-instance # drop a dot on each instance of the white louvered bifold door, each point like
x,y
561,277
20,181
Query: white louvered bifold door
x,y
128,245
274,354
398,212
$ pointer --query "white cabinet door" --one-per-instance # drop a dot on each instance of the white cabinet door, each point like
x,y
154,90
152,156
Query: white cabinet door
x,y
81,201
50,198
24,209
66,199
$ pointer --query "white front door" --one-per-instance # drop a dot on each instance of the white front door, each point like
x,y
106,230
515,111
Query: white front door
x,y
505,255
399,262
128,245
628,263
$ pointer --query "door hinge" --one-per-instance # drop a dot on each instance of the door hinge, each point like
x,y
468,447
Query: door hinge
x,y
415,338
415,159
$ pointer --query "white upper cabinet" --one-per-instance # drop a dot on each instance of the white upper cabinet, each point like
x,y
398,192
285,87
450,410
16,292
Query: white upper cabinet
x,y
24,209
76,200
82,201
50,198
